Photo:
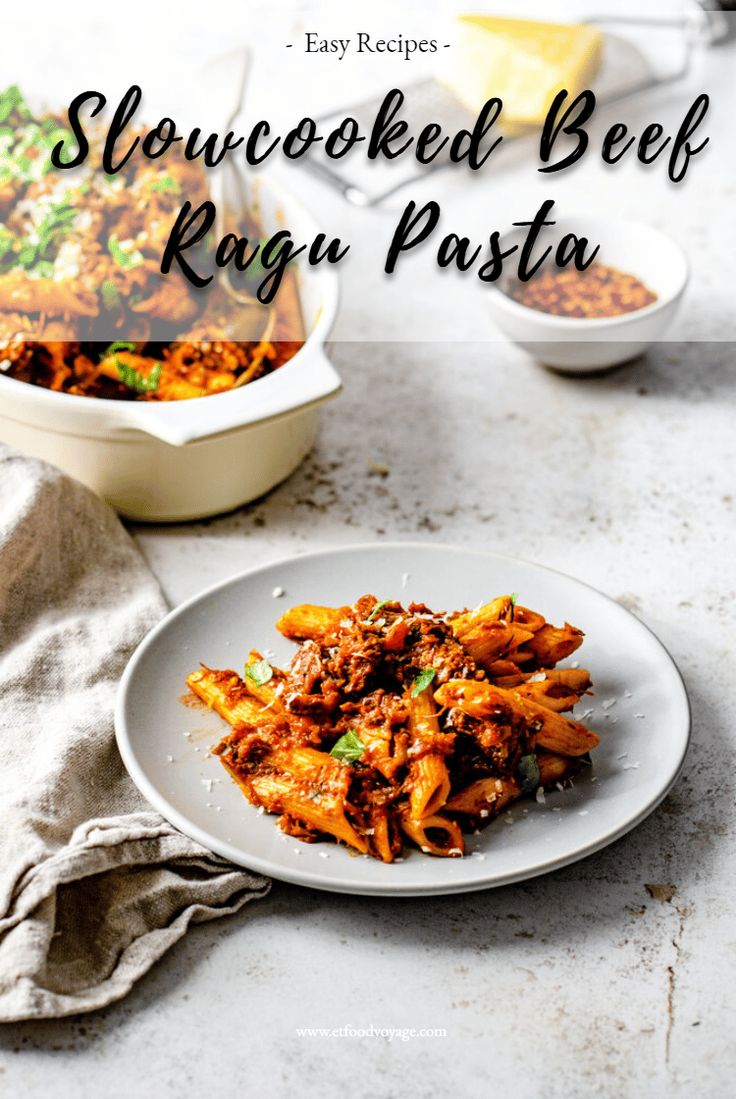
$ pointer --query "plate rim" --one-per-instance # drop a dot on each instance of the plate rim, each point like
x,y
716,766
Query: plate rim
x,y
310,879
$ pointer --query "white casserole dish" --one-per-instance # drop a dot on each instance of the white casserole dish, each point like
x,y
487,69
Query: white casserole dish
x,y
180,460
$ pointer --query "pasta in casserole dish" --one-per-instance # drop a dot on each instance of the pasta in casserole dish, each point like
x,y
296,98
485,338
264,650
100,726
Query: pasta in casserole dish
x,y
80,257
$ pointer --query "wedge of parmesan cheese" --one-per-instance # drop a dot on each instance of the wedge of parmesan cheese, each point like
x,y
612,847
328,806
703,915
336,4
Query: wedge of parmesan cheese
x,y
523,62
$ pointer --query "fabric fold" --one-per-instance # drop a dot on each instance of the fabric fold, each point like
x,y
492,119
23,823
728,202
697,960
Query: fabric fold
x,y
94,885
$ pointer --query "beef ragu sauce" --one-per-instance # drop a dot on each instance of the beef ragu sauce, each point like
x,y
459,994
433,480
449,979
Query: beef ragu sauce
x,y
376,650
84,308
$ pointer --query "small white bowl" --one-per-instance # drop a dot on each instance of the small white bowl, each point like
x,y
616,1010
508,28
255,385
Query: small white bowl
x,y
578,345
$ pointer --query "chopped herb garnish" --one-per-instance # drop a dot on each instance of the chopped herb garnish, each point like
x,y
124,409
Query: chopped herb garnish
x,y
55,224
31,256
255,269
422,681
27,255
110,294
54,136
7,240
125,259
513,599
131,377
259,672
44,269
118,345
11,101
128,375
376,609
348,748
528,772
166,183
37,256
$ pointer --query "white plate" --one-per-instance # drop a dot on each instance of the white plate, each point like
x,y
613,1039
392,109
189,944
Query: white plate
x,y
164,743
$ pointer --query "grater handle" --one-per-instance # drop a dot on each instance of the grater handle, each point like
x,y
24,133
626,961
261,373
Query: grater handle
x,y
719,27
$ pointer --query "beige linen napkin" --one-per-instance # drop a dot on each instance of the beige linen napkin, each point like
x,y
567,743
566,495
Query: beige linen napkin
x,y
94,885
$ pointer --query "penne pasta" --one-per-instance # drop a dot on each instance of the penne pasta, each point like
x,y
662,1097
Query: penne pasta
x,y
554,768
387,752
495,611
558,689
436,835
504,673
384,839
552,730
428,784
490,641
309,622
307,784
549,644
395,724
485,797
226,693
267,692
501,611
19,293
424,726
279,793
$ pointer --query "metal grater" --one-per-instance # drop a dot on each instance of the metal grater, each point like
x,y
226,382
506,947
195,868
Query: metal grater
x,y
625,71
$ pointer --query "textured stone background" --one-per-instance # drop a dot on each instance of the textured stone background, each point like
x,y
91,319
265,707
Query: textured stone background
x,y
578,983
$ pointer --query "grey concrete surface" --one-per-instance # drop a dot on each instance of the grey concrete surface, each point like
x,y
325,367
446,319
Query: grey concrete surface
x,y
574,984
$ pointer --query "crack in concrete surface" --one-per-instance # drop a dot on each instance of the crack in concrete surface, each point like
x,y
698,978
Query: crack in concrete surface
x,y
682,914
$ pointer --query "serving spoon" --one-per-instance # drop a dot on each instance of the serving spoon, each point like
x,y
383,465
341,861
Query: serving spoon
x,y
224,81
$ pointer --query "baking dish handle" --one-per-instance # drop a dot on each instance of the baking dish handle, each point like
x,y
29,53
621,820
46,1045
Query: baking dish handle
x,y
289,389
